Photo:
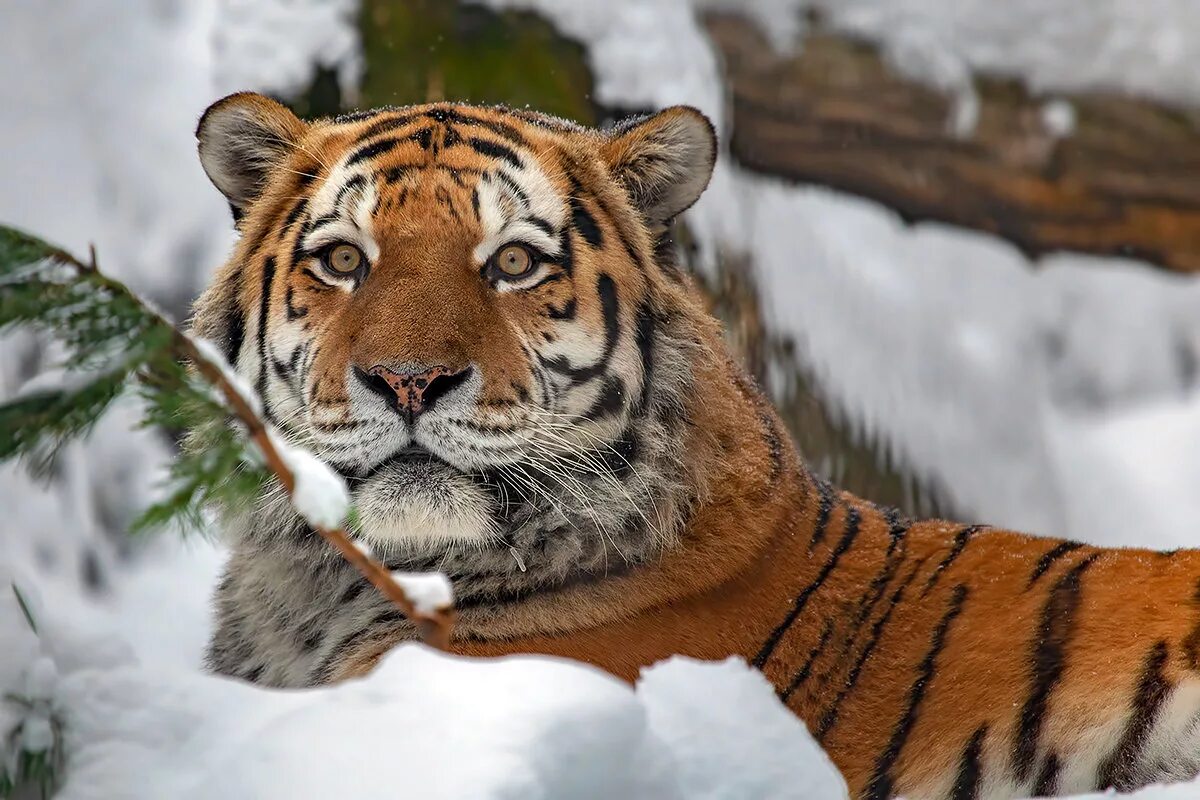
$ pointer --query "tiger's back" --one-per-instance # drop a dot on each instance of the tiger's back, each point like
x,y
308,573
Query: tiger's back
x,y
471,313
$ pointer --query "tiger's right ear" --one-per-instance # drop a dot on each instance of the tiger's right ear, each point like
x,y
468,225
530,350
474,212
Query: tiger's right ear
x,y
241,138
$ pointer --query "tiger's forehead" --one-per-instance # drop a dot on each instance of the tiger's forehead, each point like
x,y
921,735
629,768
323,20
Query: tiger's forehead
x,y
494,169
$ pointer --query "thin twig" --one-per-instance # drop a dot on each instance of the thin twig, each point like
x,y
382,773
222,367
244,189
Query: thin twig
x,y
435,628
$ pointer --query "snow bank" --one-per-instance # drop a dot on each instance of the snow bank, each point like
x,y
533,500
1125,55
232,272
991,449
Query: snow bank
x,y
1053,45
424,724
723,719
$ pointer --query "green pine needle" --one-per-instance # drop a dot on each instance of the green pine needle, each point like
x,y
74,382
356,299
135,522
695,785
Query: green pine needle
x,y
113,340
24,608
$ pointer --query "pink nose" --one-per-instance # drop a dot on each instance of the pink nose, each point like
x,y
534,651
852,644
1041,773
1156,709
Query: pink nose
x,y
414,393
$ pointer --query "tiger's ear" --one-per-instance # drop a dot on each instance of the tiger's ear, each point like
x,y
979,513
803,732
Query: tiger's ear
x,y
241,138
664,161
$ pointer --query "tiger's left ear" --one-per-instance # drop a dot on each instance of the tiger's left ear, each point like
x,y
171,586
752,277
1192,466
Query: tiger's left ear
x,y
242,138
663,161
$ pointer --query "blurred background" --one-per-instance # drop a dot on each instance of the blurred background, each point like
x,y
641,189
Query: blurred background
x,y
956,241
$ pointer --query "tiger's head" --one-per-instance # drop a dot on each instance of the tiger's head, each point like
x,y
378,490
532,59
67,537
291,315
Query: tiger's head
x,y
470,313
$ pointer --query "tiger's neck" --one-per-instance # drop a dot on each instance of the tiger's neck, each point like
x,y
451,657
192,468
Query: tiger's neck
x,y
761,521
757,525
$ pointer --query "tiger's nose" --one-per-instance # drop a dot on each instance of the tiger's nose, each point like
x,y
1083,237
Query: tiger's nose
x,y
412,393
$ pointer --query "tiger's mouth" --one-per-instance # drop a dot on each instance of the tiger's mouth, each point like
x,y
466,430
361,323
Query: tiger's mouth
x,y
413,455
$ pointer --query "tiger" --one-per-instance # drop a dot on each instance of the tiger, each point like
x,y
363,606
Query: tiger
x,y
478,317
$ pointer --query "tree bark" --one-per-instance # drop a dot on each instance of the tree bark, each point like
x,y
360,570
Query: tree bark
x,y
1125,181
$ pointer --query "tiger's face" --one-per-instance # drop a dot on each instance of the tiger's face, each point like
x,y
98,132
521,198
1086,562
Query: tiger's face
x,y
458,308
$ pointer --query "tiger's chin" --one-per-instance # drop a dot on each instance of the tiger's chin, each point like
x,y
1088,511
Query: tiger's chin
x,y
421,505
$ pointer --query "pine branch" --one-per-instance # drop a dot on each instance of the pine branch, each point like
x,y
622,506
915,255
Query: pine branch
x,y
434,625
115,336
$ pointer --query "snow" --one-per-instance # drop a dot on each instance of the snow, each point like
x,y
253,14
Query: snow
x,y
429,592
1058,116
441,726
320,495
1143,48
1056,396
720,717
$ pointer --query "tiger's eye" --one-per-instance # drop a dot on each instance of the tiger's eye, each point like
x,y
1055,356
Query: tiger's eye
x,y
514,261
344,259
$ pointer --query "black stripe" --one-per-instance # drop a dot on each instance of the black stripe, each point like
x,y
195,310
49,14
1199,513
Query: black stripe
x,y
1047,663
552,277
806,668
585,223
516,190
375,148
294,312
830,717
826,497
774,443
385,125
398,172
873,593
423,138
541,224
635,256
1120,769
494,150
970,770
502,129
294,215
233,328
644,336
264,309
297,354
1045,562
566,247
443,197
849,532
566,312
961,540
319,222
475,202
897,528
353,591
1047,779
619,457
880,785
610,401
610,310
357,182
282,370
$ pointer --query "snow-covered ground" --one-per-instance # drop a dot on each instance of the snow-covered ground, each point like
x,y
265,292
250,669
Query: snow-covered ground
x,y
1059,397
